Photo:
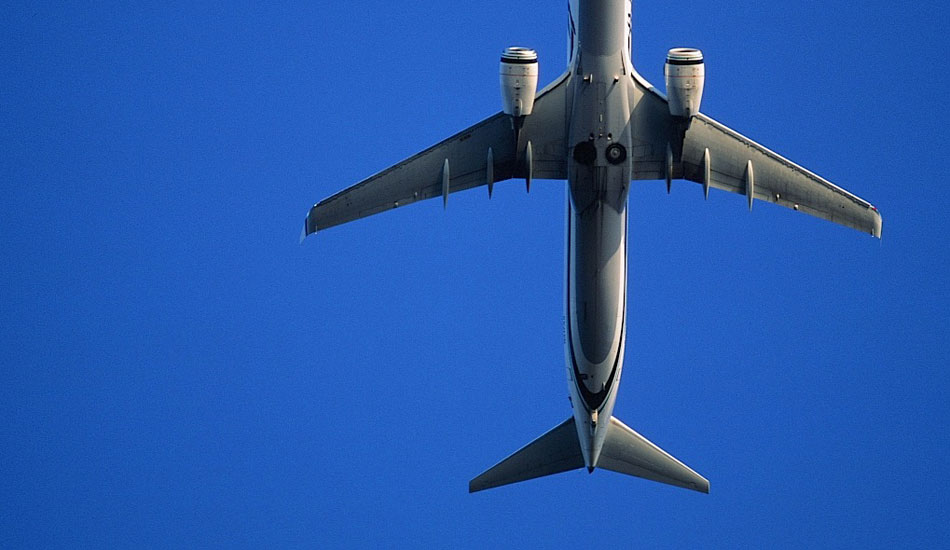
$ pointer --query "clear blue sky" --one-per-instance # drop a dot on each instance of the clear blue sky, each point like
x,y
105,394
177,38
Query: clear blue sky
x,y
176,371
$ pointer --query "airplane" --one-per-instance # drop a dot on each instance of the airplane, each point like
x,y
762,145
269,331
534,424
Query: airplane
x,y
600,126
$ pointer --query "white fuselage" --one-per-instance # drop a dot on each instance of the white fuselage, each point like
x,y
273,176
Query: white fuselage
x,y
596,235
583,127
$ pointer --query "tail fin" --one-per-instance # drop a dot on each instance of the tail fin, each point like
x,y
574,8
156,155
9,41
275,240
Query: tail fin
x,y
554,452
627,452
624,451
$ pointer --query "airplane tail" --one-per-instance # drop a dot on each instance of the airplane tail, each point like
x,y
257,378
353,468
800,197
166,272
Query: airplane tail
x,y
625,451
554,452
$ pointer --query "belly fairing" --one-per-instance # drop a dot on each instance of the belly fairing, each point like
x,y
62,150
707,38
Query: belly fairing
x,y
598,235
596,299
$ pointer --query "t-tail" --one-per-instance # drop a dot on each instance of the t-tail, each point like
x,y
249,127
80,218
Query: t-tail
x,y
625,451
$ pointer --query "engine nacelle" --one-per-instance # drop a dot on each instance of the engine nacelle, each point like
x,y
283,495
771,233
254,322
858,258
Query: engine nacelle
x,y
685,75
519,80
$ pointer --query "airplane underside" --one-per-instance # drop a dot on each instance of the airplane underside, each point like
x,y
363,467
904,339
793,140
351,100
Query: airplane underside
x,y
624,451
601,127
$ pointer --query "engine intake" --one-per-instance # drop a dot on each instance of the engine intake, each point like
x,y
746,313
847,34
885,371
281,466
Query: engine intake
x,y
519,80
685,75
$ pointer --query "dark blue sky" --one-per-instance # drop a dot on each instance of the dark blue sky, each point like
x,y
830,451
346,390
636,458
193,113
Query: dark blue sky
x,y
176,371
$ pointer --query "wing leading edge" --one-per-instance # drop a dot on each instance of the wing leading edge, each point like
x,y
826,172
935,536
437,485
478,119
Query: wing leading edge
x,y
482,154
709,153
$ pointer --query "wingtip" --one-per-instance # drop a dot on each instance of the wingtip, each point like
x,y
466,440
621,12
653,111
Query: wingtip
x,y
474,486
704,486
306,231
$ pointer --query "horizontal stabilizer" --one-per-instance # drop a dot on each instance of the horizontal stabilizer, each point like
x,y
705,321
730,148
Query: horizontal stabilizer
x,y
554,452
627,452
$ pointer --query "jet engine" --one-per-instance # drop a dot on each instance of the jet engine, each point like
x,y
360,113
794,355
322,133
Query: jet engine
x,y
685,74
519,80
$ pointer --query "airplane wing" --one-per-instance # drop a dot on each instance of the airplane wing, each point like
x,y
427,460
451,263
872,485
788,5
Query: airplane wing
x,y
716,156
457,163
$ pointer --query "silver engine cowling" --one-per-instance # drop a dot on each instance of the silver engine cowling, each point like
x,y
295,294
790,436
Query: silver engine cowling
x,y
519,80
685,75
